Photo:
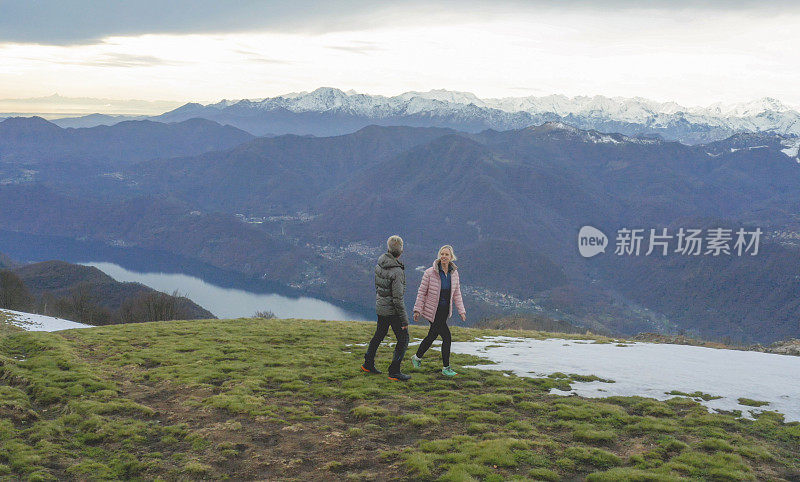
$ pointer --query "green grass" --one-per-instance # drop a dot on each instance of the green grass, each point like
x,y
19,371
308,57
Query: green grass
x,y
6,327
285,399
700,395
591,435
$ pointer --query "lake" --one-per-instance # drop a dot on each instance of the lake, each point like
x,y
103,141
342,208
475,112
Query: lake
x,y
224,293
229,302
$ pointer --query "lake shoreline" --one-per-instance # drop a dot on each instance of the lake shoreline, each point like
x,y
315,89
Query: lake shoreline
x,y
31,248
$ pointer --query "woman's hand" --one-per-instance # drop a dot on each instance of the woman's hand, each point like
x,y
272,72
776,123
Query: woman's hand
x,y
416,316
463,317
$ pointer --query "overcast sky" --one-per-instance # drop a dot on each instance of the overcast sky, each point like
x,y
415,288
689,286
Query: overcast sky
x,y
204,50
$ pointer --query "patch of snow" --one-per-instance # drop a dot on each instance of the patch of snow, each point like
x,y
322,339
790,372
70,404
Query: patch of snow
x,y
34,322
561,126
792,147
605,139
635,140
791,151
652,370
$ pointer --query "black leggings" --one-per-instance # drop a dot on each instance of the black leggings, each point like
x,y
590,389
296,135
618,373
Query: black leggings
x,y
384,322
438,328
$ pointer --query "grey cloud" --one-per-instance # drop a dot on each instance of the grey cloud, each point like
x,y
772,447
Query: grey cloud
x,y
58,22
265,60
127,60
62,22
257,57
362,48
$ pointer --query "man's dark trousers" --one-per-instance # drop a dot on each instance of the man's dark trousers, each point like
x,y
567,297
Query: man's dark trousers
x,y
384,322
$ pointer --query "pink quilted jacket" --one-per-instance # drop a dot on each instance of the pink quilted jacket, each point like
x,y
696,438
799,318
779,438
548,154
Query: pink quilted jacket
x,y
428,293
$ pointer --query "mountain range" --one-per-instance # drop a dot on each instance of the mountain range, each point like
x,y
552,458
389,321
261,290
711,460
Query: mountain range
x,y
329,111
313,212
33,140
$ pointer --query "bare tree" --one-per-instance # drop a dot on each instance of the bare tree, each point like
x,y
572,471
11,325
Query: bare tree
x,y
14,294
79,305
265,314
154,306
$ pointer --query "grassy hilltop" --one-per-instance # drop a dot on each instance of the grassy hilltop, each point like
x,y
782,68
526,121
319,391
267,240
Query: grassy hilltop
x,y
284,399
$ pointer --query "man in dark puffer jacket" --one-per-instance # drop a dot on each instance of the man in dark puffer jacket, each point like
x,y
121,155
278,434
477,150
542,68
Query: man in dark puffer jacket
x,y
390,285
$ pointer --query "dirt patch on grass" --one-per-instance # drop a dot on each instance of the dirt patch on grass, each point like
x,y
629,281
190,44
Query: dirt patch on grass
x,y
246,447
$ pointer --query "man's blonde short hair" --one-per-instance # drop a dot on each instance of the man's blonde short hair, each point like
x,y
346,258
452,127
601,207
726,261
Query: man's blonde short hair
x,y
395,245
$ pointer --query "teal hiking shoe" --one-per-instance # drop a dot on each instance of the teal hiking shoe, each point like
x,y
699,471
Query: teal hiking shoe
x,y
416,362
447,371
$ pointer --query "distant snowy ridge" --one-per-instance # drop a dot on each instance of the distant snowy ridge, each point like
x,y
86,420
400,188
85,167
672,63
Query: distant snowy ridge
x,y
34,322
591,136
762,115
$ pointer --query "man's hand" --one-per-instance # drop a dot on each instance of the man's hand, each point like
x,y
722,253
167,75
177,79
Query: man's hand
x,y
416,316
463,317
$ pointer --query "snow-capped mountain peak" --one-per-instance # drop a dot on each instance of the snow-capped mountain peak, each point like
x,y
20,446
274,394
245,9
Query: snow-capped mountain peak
x,y
634,116
443,95
226,103
322,99
744,109
635,109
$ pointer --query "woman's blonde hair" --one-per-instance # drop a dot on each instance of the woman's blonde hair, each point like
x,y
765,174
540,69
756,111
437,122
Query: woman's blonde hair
x,y
452,252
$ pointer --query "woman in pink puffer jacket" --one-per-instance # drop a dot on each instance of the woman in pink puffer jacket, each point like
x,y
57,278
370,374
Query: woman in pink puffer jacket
x,y
439,289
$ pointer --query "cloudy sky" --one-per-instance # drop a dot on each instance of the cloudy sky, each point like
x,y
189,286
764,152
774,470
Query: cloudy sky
x,y
695,53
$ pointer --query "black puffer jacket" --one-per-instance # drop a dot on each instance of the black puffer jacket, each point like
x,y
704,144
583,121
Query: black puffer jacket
x,y
390,285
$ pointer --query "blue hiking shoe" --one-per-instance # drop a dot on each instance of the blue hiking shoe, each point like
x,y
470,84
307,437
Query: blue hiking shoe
x,y
447,371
